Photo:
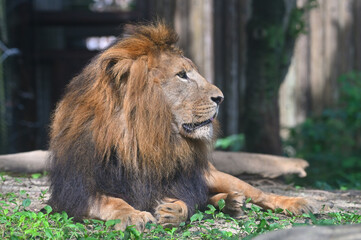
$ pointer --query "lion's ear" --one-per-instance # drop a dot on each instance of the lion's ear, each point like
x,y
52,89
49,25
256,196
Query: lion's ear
x,y
138,75
109,66
117,70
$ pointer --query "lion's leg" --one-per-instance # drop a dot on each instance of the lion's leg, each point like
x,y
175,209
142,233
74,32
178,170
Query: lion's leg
x,y
171,212
236,189
109,208
233,200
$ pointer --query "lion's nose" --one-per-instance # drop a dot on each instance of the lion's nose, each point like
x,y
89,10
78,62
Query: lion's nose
x,y
217,100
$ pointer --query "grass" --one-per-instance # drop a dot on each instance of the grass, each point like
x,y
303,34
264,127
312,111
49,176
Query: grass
x,y
17,221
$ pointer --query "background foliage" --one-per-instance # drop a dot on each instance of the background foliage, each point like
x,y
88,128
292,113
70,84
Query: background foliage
x,y
331,142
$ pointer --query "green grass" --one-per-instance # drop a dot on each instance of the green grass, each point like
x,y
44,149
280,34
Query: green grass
x,y
17,221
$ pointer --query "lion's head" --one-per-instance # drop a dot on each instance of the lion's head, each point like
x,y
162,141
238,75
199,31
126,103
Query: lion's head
x,y
192,100
139,106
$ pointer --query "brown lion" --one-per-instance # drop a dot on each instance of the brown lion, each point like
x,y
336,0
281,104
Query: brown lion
x,y
132,137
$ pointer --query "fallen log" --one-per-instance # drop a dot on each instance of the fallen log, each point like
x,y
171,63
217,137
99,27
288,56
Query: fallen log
x,y
25,162
268,166
234,163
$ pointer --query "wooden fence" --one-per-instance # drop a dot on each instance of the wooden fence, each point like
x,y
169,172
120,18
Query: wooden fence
x,y
331,48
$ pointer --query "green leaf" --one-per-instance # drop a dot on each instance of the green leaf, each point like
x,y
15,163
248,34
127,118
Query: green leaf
x,y
36,175
112,222
197,217
64,215
221,204
133,231
313,218
48,233
186,234
211,210
26,202
48,209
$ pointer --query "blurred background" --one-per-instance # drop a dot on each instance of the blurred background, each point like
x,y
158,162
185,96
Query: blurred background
x,y
289,70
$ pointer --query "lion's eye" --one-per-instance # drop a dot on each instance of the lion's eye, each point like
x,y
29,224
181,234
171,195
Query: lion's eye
x,y
182,75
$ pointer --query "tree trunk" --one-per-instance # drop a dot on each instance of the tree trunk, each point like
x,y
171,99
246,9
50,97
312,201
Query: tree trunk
x,y
270,46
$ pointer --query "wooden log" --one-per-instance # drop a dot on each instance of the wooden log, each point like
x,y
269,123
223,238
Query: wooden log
x,y
234,163
238,163
26,162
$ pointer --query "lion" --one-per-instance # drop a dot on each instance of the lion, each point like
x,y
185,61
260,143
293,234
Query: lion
x,y
132,137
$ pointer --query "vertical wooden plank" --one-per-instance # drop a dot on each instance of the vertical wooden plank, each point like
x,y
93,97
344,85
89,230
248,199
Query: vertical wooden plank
x,y
232,58
331,61
219,78
345,42
245,13
208,54
317,56
230,17
303,65
357,34
302,86
196,31
201,28
294,91
181,25
286,99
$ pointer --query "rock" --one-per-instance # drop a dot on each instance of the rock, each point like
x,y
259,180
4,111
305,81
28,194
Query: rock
x,y
336,232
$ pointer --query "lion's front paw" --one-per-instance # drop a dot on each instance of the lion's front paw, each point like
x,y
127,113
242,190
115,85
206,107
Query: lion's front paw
x,y
234,202
137,218
297,205
171,213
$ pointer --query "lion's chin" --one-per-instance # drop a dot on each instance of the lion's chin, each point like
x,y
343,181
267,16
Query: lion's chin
x,y
204,132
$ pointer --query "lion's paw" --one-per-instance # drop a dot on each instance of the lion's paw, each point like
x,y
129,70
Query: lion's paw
x,y
171,214
234,202
298,205
137,218
295,166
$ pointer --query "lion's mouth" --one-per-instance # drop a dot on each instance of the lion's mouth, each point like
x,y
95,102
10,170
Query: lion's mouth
x,y
190,127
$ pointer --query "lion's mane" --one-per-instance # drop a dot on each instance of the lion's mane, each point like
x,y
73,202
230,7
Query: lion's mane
x,y
112,133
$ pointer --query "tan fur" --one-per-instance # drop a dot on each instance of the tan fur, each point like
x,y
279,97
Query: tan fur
x,y
235,191
108,208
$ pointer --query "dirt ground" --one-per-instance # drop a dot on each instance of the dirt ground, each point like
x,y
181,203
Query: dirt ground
x,y
335,200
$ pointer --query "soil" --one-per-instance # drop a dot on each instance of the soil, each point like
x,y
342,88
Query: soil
x,y
337,200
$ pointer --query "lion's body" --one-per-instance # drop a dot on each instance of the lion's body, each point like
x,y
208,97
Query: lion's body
x,y
133,135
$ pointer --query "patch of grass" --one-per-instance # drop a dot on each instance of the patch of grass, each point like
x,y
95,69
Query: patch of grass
x,y
18,222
